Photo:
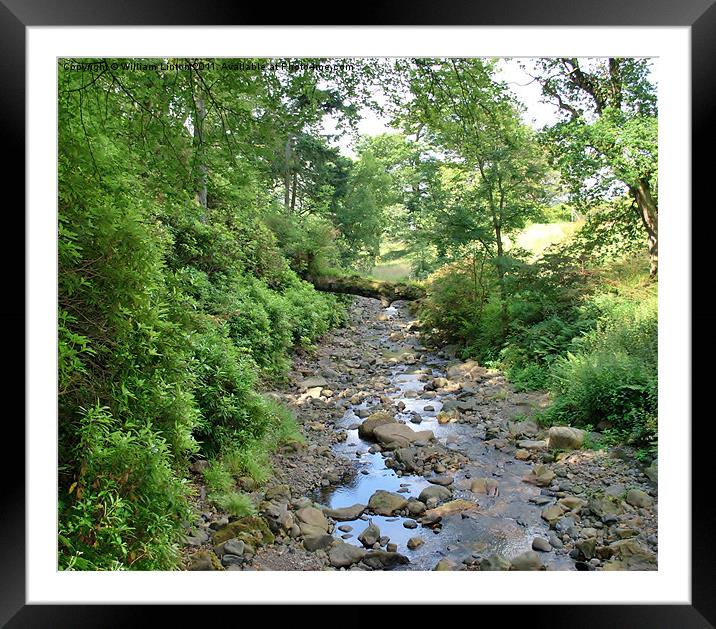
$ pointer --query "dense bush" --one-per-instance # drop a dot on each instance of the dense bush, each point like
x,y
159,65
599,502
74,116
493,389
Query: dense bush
x,y
171,318
587,332
611,375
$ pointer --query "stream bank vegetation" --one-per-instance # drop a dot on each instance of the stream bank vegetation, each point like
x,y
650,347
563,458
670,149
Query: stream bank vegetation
x,y
205,216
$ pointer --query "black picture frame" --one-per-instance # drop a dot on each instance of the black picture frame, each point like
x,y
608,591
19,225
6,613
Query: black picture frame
x,y
700,15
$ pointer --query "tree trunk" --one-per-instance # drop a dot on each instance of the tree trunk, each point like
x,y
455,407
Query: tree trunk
x,y
501,279
287,176
387,292
649,214
293,191
201,193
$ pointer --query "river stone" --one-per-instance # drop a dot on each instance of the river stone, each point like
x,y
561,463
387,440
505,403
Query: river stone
x,y
370,535
450,508
310,383
587,547
342,555
203,560
386,503
438,492
572,502
231,547
605,506
470,369
526,427
409,457
442,479
629,554
345,514
415,542
380,418
400,435
313,517
540,475
415,507
317,542
528,560
278,493
552,513
378,559
250,529
541,544
197,538
487,486
229,560
565,438
532,444
444,565
618,490
639,498
494,563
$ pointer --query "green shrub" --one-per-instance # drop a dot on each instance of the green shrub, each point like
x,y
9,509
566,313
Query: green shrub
x,y
616,388
218,479
125,508
234,503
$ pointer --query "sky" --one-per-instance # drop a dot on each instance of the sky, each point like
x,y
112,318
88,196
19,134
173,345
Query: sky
x,y
537,113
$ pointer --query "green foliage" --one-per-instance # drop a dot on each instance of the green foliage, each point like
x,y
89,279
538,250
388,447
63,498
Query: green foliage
x,y
234,503
124,508
171,313
217,478
612,374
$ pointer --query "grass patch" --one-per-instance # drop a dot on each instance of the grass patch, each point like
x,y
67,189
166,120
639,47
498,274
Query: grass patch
x,y
218,479
234,503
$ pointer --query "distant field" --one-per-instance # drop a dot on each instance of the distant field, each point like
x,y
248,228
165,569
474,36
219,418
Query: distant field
x,y
394,263
538,236
393,272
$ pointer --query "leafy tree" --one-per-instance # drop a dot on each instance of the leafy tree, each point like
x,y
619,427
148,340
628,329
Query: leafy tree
x,y
606,143
473,119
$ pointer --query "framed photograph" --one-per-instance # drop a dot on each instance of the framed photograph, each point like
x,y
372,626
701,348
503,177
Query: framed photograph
x,y
360,312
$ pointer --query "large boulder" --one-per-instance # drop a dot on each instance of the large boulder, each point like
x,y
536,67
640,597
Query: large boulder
x,y
565,438
605,506
365,430
250,529
313,517
370,535
399,435
639,498
345,514
528,560
387,503
318,542
449,508
204,560
342,555
468,370
379,559
438,492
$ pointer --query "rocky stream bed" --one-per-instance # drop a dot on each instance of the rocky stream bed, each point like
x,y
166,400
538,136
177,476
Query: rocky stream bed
x,y
415,460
